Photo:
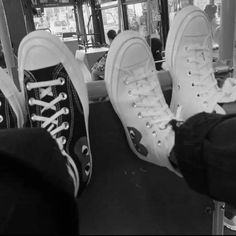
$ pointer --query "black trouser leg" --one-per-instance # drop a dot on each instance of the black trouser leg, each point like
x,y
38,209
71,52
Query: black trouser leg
x,y
205,150
36,191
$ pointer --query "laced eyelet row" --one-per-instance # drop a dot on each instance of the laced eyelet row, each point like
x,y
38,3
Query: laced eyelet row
x,y
140,116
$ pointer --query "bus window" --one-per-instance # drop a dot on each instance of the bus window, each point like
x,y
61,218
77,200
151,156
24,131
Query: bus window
x,y
57,20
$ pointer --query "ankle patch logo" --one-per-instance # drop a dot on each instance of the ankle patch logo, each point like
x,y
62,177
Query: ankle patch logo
x,y
82,152
136,138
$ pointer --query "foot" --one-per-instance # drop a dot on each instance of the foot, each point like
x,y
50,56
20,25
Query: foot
x,y
136,96
56,99
189,59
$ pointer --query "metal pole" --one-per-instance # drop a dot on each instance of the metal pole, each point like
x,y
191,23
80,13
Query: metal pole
x,y
120,13
149,16
76,21
218,218
227,31
6,41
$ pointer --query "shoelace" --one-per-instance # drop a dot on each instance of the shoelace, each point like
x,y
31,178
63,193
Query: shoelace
x,y
148,97
45,89
199,69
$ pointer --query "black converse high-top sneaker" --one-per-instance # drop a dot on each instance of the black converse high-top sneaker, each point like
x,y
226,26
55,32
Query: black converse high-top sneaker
x,y
56,99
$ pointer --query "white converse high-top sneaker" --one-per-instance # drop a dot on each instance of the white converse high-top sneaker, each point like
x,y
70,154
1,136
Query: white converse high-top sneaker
x,y
137,98
189,59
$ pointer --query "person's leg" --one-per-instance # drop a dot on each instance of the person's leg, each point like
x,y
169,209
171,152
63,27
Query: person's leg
x,y
37,193
189,58
138,100
56,99
205,153
34,182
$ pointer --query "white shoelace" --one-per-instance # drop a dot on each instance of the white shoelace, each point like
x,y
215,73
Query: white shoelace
x,y
203,77
148,97
45,89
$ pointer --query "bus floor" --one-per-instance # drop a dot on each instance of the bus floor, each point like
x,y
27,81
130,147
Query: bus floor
x,y
129,196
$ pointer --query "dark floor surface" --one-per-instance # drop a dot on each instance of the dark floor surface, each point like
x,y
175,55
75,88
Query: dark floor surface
x,y
129,196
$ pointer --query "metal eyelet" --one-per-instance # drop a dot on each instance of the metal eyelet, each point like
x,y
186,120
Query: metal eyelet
x,y
28,86
31,101
63,95
85,150
148,125
62,81
130,93
66,110
87,170
189,73
66,125
33,117
126,82
198,95
163,127
159,143
132,134
140,116
134,105
63,140
1,119
154,133
193,84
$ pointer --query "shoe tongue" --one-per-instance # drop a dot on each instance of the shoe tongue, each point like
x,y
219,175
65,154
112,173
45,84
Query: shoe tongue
x,y
47,74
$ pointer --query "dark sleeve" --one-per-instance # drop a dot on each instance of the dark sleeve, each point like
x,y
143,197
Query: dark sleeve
x,y
205,149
